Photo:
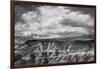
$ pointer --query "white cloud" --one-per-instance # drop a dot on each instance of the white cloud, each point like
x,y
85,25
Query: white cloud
x,y
49,21
29,16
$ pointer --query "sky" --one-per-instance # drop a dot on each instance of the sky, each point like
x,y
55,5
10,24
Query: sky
x,y
41,21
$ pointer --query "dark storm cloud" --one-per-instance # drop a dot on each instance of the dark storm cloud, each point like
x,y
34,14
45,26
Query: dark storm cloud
x,y
19,10
89,11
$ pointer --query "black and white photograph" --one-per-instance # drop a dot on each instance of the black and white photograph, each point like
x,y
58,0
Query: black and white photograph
x,y
47,34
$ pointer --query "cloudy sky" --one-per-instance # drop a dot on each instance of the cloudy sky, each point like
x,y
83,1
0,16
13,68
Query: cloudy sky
x,y
53,21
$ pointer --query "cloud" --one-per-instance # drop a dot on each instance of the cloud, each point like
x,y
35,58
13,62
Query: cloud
x,y
54,21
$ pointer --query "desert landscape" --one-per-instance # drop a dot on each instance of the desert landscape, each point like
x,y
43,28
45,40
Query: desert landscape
x,y
50,34
51,51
